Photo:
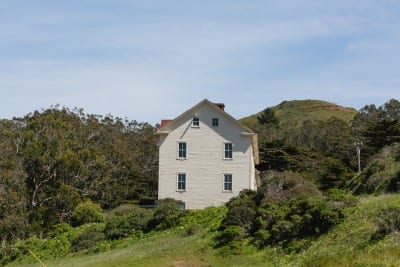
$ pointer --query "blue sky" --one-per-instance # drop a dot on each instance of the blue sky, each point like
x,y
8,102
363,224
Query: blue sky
x,y
148,60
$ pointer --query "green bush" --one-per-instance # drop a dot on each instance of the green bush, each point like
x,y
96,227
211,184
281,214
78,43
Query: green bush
x,y
297,219
241,211
128,224
87,212
88,238
284,186
387,222
230,240
60,229
192,229
167,214
286,210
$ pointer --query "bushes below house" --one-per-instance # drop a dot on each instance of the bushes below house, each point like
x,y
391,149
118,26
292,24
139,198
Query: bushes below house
x,y
167,214
286,210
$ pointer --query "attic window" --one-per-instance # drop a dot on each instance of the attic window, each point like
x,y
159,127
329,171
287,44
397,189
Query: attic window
x,y
215,122
195,122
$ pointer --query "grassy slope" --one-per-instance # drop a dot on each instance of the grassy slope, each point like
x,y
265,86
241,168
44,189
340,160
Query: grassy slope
x,y
294,112
348,244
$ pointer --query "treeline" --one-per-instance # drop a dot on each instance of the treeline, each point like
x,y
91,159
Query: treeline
x,y
53,160
325,151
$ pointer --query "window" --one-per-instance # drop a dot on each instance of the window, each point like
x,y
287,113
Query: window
x,y
215,122
195,122
182,150
228,182
181,182
228,151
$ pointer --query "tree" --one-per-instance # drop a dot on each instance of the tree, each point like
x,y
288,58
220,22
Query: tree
x,y
267,116
13,213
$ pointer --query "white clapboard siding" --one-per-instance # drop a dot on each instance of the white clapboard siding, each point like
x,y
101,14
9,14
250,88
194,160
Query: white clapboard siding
x,y
204,164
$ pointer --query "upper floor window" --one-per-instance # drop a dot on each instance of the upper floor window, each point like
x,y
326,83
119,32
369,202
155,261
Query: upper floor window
x,y
196,122
182,150
181,182
215,122
228,149
228,182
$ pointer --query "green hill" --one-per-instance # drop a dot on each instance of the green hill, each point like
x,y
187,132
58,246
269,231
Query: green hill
x,y
293,113
351,243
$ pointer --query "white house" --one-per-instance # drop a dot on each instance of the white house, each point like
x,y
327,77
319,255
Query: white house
x,y
206,157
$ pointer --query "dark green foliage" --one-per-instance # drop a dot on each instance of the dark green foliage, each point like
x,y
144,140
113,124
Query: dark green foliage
x,y
241,211
286,210
13,202
387,222
87,212
297,219
167,214
193,229
229,240
267,116
282,187
88,239
381,175
66,156
128,224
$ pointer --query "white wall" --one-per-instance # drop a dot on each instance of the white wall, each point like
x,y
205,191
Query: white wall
x,y
204,165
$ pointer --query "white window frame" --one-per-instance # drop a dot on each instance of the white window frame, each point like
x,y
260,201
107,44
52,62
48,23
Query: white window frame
x,y
225,150
224,182
197,125
178,150
215,122
178,175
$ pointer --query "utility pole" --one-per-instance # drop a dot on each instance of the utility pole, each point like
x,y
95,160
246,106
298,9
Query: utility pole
x,y
358,145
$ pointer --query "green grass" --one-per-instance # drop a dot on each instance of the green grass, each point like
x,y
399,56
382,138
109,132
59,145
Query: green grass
x,y
348,244
292,113
171,249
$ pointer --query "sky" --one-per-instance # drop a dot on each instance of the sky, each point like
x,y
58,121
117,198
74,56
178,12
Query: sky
x,y
149,60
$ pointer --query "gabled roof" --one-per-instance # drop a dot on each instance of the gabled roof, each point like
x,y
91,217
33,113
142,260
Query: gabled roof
x,y
217,107
169,124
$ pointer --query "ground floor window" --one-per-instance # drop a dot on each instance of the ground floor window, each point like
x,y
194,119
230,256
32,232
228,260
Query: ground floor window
x,y
181,182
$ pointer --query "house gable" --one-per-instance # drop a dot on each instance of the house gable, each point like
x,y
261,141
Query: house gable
x,y
199,111
193,166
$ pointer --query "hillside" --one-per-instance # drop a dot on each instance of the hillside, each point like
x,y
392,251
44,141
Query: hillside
x,y
350,243
64,177
294,113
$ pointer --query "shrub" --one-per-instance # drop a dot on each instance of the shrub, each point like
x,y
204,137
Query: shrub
x,y
126,225
285,186
87,212
297,219
230,240
59,229
286,209
241,211
167,214
387,222
338,199
192,229
88,238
